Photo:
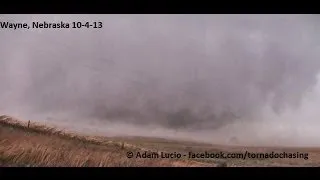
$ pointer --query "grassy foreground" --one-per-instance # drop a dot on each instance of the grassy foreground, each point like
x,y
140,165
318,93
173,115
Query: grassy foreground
x,y
28,144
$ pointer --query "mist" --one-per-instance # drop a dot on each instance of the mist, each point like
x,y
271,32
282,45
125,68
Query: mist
x,y
200,77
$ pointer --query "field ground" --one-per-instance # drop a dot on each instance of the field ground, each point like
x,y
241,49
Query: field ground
x,y
29,144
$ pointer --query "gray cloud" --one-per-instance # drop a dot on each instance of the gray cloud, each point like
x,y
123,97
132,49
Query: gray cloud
x,y
195,71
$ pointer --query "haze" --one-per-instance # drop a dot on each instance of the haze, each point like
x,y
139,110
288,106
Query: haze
x,y
199,77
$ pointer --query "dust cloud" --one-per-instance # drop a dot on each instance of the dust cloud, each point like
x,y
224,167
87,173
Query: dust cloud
x,y
200,77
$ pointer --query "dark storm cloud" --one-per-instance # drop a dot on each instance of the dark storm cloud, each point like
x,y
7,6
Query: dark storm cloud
x,y
172,70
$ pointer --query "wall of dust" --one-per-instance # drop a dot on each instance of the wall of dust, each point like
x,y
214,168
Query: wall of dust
x,y
206,77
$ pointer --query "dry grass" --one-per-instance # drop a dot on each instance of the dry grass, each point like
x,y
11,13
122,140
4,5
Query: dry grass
x,y
23,144
40,145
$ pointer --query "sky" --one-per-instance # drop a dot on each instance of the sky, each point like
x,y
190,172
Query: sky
x,y
182,75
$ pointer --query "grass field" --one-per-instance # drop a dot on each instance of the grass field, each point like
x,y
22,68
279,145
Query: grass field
x,y
29,144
